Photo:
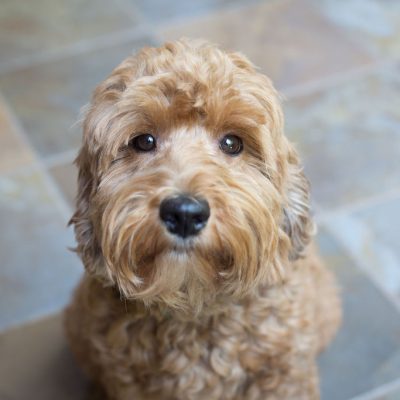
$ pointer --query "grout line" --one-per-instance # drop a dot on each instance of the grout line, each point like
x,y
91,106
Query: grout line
x,y
31,320
75,49
135,13
225,9
302,89
66,157
61,202
22,169
131,11
146,29
143,29
25,169
337,79
377,393
323,218
392,299
359,205
48,162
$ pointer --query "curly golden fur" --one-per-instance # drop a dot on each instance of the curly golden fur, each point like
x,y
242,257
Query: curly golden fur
x,y
239,311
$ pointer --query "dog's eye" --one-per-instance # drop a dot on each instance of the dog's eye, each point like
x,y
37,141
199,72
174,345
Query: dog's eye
x,y
231,144
145,142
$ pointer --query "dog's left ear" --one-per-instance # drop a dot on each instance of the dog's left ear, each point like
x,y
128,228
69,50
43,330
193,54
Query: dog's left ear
x,y
297,221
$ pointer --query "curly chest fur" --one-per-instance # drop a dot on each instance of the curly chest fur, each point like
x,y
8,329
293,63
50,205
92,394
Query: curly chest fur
x,y
228,355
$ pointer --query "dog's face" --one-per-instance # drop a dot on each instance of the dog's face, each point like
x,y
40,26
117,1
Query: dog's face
x,y
188,189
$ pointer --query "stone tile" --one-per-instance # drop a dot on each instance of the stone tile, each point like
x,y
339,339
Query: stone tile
x,y
37,270
374,24
372,236
392,395
36,363
47,98
349,138
66,176
13,152
54,24
288,39
386,373
157,11
369,337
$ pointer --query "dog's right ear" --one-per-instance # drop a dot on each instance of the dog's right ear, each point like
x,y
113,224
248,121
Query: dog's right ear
x,y
87,246
104,98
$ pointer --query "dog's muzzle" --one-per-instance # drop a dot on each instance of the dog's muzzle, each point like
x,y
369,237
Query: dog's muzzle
x,y
184,216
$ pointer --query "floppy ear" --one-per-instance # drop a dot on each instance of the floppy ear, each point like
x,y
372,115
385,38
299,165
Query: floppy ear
x,y
297,220
87,247
104,97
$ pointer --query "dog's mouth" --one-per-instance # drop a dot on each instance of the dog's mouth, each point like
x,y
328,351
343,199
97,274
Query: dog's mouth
x,y
183,246
173,246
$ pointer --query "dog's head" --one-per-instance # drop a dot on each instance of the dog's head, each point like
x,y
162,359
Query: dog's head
x,y
188,189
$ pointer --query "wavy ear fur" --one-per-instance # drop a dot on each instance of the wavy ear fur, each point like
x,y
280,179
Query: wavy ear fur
x,y
297,221
107,92
87,248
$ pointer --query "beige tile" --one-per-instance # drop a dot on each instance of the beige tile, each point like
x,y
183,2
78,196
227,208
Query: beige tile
x,y
37,271
349,139
66,176
36,363
375,24
161,11
288,39
13,152
390,395
27,29
47,98
365,353
371,235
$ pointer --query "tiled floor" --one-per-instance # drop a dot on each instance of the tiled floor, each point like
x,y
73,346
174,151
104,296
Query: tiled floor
x,y
351,130
53,25
281,33
338,64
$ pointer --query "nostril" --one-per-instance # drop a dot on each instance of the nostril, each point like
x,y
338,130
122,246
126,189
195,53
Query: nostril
x,y
183,215
201,217
170,222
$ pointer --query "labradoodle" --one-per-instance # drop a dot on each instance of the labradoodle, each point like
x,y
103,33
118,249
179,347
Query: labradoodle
x,y
193,224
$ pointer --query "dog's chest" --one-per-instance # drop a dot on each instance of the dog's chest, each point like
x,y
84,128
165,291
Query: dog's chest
x,y
234,347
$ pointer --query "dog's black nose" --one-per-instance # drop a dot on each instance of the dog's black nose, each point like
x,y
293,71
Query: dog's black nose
x,y
184,216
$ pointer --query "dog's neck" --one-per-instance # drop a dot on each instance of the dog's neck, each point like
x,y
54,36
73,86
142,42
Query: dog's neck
x,y
219,306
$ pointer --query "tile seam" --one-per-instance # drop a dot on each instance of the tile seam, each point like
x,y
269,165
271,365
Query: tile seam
x,y
359,205
336,80
61,202
145,23
377,393
75,49
65,157
360,264
30,321
227,9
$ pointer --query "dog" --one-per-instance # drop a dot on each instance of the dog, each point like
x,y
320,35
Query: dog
x,y
202,280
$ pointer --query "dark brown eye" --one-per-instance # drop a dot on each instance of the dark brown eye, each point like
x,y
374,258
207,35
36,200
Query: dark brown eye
x,y
143,143
231,144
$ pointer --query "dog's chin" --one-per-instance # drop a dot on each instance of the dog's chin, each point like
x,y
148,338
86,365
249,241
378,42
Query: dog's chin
x,y
149,264
167,270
